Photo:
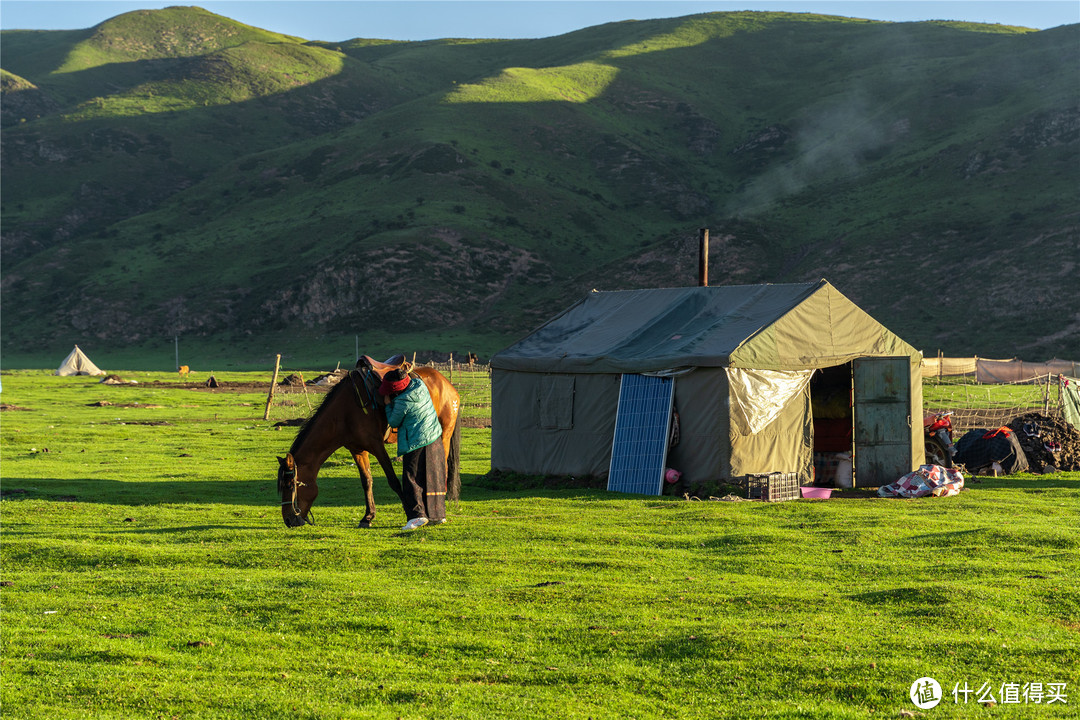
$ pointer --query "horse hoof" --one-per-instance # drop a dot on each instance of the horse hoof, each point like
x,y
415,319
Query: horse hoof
x,y
364,524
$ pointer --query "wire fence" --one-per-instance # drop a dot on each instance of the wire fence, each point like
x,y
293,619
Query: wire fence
x,y
977,405
297,393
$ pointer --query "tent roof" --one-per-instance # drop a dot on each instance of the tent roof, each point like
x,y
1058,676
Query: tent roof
x,y
780,327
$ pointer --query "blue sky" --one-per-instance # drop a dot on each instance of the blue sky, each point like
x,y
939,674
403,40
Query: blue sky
x,y
336,20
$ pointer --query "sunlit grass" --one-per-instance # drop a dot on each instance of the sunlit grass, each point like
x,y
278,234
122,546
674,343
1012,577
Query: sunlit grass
x,y
142,564
570,83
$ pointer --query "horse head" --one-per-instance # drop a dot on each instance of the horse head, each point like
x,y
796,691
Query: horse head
x,y
297,494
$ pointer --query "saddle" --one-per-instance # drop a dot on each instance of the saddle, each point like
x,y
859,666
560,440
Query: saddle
x,y
381,368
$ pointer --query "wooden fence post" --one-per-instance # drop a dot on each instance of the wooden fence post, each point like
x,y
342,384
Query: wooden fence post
x,y
306,396
273,384
451,368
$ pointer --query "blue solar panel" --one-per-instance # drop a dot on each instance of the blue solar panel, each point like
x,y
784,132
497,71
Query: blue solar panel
x,y
642,425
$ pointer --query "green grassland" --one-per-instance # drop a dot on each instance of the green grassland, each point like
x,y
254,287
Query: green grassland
x,y
176,173
146,573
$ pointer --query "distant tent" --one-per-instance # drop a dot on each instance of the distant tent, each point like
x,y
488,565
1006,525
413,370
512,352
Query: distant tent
x,y
78,364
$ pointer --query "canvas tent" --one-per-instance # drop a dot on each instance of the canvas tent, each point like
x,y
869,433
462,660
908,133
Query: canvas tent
x,y
765,376
78,364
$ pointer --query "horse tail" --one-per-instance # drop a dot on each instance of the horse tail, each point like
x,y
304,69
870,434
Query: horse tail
x,y
453,463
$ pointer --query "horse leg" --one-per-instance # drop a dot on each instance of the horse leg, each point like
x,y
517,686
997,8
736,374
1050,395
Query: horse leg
x,y
388,468
364,466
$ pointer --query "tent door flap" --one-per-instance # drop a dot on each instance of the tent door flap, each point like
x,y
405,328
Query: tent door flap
x,y
882,419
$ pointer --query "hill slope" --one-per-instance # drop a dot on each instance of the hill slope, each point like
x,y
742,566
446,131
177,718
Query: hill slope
x,y
174,172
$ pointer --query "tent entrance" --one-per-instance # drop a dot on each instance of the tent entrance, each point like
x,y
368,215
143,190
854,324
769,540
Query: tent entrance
x,y
862,420
833,415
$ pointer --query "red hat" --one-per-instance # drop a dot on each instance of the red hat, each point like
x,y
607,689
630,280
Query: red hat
x,y
394,382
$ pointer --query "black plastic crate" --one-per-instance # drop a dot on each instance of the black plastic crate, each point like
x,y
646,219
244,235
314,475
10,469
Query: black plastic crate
x,y
773,487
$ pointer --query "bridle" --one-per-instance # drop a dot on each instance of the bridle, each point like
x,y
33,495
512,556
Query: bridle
x,y
288,480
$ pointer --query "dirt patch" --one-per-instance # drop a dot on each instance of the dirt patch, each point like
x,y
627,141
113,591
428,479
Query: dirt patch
x,y
5,407
1048,442
242,387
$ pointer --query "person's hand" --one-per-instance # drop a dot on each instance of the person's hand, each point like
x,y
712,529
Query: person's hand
x,y
385,399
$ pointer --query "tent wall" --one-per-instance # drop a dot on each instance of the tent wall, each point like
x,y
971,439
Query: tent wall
x,y
704,450
918,442
548,424
530,435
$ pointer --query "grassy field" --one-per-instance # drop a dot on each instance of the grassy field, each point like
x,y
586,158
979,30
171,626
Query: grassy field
x,y
146,573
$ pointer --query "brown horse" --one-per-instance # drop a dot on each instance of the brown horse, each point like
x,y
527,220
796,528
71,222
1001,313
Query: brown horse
x,y
352,416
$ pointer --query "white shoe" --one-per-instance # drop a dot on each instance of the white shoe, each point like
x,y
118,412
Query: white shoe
x,y
415,523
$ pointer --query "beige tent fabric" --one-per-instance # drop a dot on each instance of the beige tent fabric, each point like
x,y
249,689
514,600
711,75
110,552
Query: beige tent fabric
x,y
941,367
824,330
76,363
784,445
759,396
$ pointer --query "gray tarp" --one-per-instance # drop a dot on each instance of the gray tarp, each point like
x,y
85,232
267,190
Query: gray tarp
x,y
637,331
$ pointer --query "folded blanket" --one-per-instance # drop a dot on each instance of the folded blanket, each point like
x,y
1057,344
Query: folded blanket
x,y
927,480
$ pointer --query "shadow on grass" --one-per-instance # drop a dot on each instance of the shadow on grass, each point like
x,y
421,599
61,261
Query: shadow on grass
x,y
348,492
333,492
918,600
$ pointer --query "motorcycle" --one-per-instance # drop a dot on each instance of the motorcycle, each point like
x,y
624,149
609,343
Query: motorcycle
x,y
939,439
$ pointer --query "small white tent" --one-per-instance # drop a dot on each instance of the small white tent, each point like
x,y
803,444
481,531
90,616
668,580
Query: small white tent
x,y
78,364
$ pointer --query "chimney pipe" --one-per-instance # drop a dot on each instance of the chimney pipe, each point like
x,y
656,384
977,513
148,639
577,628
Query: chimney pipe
x,y
703,258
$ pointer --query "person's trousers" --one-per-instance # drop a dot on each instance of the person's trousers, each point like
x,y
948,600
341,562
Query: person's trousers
x,y
423,482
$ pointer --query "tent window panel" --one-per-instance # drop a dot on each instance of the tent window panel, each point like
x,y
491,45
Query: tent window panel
x,y
556,400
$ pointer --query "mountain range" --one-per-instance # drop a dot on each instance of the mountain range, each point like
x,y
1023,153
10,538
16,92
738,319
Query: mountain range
x,y
174,173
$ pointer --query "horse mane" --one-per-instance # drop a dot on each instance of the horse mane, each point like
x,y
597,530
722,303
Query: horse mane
x,y
305,429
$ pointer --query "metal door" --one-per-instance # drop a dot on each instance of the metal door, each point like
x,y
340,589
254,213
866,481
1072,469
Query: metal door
x,y
882,419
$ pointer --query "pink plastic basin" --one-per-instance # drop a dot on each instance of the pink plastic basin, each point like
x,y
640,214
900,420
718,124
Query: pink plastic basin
x,y
816,493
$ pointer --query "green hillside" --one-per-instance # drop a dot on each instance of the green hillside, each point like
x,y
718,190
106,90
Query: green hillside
x,y
176,173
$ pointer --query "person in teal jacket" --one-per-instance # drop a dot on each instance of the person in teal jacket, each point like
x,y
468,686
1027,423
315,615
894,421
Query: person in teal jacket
x,y
409,410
